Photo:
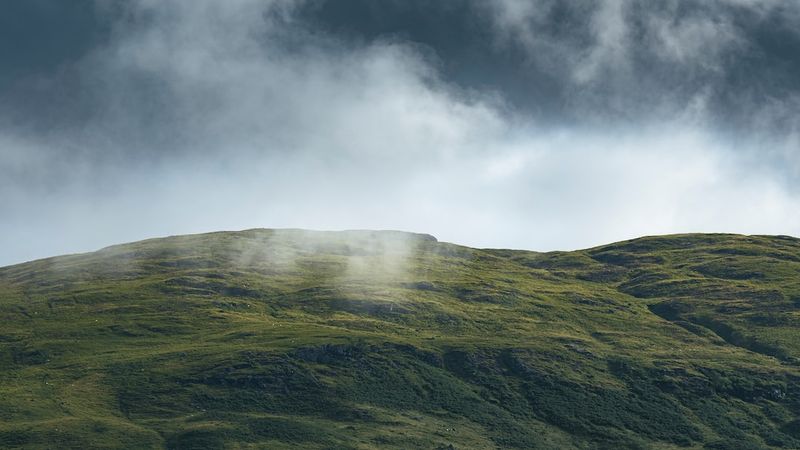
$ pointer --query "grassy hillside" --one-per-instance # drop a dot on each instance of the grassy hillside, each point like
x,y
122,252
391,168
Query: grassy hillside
x,y
287,339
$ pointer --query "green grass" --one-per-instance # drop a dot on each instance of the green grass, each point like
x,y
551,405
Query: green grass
x,y
288,338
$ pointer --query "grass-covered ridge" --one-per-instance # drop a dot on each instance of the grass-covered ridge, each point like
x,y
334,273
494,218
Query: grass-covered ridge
x,y
289,338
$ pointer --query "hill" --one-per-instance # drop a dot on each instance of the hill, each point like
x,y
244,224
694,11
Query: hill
x,y
290,338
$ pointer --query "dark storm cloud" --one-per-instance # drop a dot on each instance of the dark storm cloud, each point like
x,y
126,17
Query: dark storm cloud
x,y
612,60
556,61
39,35
537,124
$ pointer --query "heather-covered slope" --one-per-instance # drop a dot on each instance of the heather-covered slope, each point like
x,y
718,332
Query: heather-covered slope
x,y
286,339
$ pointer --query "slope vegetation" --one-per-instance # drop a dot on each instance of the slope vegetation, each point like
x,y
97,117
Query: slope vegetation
x,y
290,338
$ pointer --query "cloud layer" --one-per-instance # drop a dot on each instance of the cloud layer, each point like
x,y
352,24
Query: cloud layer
x,y
196,116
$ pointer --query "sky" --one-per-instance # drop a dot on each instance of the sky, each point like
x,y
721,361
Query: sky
x,y
531,124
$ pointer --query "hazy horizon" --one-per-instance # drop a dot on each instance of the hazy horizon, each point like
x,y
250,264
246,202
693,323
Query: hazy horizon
x,y
538,125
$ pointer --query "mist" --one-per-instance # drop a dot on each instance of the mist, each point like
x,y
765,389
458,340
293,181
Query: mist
x,y
555,125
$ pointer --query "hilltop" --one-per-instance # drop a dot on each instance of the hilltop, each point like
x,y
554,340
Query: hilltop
x,y
363,339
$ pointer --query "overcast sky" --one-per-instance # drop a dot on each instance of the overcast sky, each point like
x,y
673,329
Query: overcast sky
x,y
536,124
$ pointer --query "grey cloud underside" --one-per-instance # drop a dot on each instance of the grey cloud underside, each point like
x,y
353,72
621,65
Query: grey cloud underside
x,y
617,60
556,61
541,124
